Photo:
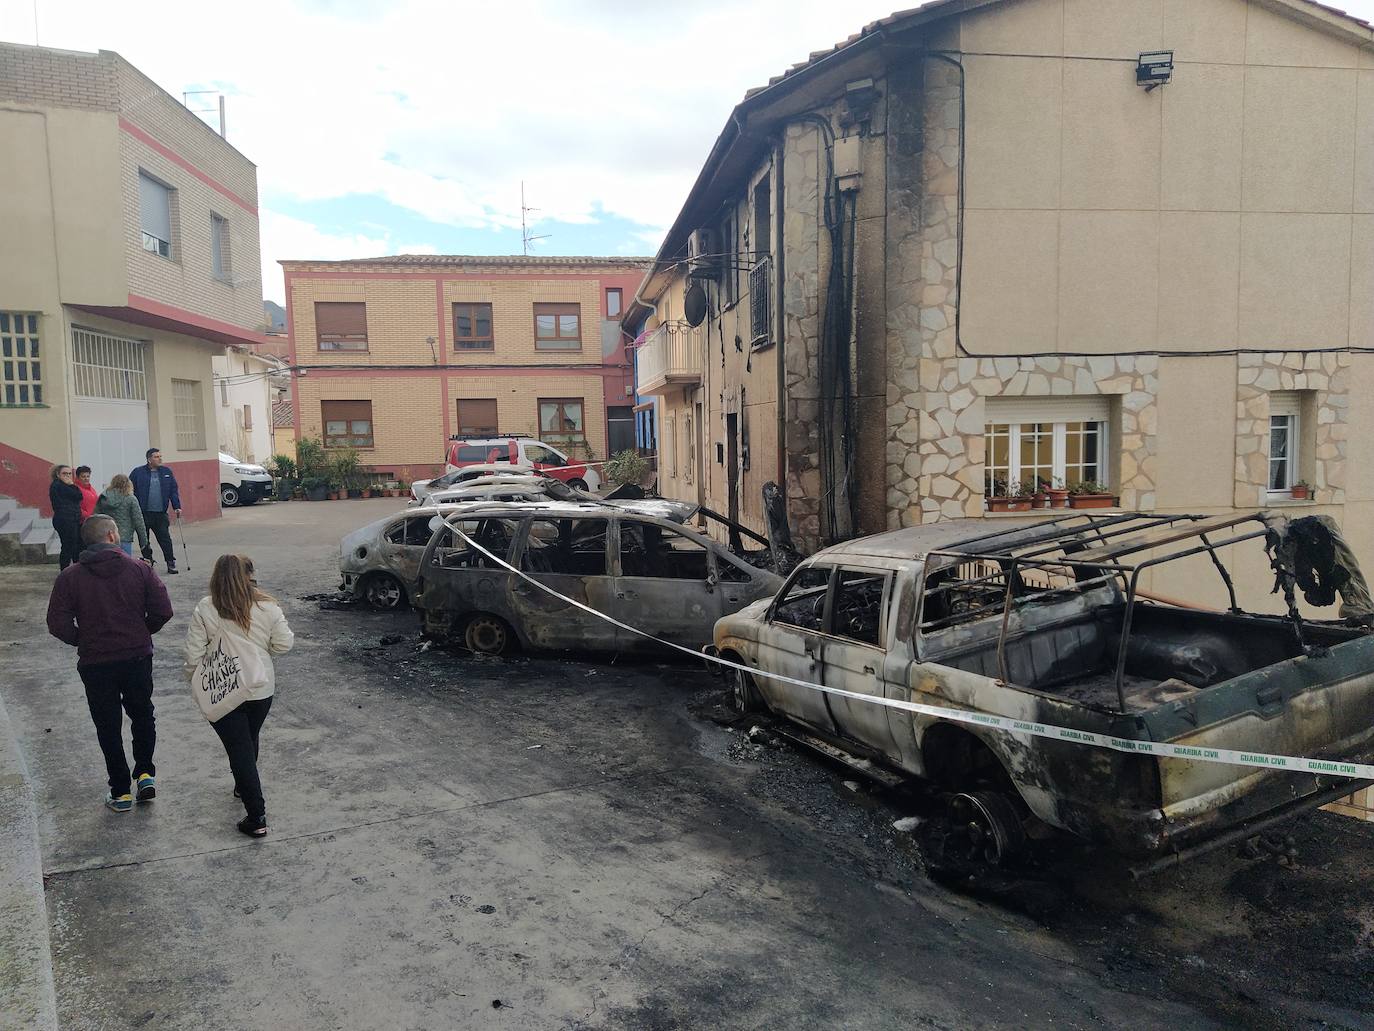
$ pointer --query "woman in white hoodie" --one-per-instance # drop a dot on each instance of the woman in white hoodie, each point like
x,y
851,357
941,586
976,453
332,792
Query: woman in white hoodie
x,y
235,603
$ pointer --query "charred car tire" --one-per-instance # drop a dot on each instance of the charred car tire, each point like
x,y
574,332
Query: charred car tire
x,y
228,495
486,634
988,827
744,694
383,591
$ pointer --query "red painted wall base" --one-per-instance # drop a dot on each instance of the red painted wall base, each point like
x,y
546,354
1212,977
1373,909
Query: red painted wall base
x,y
198,484
25,478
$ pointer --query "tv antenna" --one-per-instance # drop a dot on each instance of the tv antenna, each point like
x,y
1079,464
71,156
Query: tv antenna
x,y
525,237
186,103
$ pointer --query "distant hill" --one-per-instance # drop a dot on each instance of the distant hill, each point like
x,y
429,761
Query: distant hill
x,y
276,316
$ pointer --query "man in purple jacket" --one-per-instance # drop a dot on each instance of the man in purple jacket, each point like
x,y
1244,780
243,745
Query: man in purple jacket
x,y
108,606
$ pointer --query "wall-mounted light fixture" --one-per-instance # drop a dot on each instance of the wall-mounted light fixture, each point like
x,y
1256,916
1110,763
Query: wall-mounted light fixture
x,y
1154,69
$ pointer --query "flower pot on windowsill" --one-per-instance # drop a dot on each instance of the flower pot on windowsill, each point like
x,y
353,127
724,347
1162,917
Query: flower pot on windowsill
x,y
1092,500
1056,498
1009,504
1301,492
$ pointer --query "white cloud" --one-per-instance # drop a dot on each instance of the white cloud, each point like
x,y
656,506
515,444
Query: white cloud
x,y
444,108
285,238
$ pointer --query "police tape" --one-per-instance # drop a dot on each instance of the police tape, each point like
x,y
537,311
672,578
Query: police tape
x,y
1031,728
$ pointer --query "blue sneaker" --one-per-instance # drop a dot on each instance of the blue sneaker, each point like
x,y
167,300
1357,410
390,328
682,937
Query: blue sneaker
x,y
119,803
146,787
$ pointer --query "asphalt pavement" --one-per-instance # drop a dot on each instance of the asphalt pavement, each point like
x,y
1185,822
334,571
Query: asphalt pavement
x,y
527,843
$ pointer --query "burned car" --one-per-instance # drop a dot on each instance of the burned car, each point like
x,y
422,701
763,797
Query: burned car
x,y
379,562
629,560
1047,623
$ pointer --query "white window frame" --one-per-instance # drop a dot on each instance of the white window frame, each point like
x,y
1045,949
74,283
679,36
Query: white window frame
x,y
1284,406
221,267
188,414
1057,413
669,439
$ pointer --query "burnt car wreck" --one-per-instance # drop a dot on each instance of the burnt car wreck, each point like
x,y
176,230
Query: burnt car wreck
x,y
635,561
1049,623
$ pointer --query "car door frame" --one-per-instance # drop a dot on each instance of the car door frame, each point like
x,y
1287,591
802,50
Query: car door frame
x,y
663,621
530,605
796,652
853,665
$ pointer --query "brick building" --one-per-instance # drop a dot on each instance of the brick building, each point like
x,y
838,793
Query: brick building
x,y
131,259
396,354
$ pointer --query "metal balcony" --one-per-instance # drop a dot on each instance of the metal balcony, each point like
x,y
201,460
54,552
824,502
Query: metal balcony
x,y
669,358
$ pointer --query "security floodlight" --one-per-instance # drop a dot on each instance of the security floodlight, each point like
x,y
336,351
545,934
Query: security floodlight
x,y
1154,69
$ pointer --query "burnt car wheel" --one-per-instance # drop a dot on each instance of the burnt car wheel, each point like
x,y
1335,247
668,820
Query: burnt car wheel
x,y
384,591
228,495
743,692
486,634
987,827
578,484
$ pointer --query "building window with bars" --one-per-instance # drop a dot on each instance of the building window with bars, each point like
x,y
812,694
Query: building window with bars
x,y
106,366
22,381
219,247
477,417
155,214
189,414
560,418
341,325
347,423
472,327
1031,444
558,327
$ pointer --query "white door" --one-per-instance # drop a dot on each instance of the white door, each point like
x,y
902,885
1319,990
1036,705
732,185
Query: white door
x,y
111,437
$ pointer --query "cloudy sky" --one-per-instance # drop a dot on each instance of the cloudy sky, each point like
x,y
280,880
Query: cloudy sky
x,y
408,125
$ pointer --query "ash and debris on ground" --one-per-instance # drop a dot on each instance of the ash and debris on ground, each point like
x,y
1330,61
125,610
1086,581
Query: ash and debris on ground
x,y
1245,940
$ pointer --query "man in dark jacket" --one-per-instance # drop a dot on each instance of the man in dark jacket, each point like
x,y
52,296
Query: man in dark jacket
x,y
156,490
108,606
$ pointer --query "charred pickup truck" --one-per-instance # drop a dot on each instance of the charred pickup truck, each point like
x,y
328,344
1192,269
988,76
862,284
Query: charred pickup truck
x,y
635,561
1049,623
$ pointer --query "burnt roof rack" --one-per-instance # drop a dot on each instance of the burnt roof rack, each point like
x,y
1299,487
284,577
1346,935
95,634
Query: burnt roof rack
x,y
1094,549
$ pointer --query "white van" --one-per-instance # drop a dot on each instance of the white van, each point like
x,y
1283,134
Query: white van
x,y
241,483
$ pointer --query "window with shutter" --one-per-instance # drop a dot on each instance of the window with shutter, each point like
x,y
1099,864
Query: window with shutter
x,y
347,423
476,416
341,325
558,327
155,214
472,327
1044,442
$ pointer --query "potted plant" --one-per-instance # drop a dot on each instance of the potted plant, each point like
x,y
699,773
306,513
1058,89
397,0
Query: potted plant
x,y
284,470
1056,494
1091,494
1007,497
345,470
316,488
1301,491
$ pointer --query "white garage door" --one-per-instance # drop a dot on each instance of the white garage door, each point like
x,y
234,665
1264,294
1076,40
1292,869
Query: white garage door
x,y
110,410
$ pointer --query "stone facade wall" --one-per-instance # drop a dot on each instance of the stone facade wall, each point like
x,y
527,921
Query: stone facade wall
x,y
936,411
801,294
1326,376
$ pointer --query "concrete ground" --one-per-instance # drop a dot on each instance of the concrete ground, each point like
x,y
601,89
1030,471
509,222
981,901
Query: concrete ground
x,y
546,843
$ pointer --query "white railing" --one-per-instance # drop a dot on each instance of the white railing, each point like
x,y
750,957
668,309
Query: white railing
x,y
669,356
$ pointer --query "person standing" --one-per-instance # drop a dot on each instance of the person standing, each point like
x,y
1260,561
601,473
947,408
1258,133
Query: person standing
x,y
108,606
118,502
156,490
235,605
65,498
89,496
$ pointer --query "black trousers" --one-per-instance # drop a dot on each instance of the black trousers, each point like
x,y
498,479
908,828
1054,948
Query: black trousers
x,y
238,731
69,533
126,685
157,527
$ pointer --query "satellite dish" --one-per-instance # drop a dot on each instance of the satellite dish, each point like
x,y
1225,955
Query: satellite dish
x,y
694,305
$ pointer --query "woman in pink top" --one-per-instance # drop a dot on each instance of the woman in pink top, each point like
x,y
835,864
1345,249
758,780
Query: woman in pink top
x,y
89,495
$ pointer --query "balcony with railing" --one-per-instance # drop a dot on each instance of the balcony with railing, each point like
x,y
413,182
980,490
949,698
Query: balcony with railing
x,y
669,358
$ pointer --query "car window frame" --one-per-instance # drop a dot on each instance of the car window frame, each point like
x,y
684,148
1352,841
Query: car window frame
x,y
885,605
668,526
612,552
771,616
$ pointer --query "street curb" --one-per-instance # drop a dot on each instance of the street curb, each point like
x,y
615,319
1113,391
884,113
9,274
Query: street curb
x,y
27,996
